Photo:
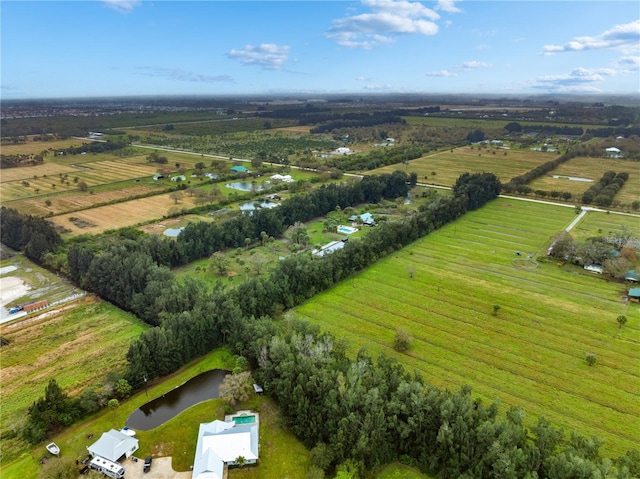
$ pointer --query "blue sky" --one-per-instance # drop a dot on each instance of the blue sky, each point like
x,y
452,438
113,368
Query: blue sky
x,y
161,47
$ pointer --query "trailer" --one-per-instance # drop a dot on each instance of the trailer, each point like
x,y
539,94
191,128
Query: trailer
x,y
108,468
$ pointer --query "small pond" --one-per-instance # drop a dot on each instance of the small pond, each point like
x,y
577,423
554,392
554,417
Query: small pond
x,y
572,178
158,411
243,186
251,205
173,232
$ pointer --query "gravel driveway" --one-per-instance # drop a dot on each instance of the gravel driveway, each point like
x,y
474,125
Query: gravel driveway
x,y
160,469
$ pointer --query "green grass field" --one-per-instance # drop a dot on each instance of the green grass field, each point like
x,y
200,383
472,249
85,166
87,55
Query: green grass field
x,y
532,353
450,164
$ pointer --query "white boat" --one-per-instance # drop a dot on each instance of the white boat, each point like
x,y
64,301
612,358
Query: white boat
x,y
129,432
53,448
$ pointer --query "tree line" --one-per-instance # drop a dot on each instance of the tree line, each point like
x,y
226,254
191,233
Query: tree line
x,y
378,158
602,192
33,234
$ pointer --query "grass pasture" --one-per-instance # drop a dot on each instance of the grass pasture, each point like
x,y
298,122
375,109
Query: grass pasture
x,y
449,165
76,344
532,353
592,168
35,147
602,224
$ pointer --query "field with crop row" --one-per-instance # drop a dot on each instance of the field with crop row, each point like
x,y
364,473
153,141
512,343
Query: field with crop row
x,y
593,169
449,165
532,352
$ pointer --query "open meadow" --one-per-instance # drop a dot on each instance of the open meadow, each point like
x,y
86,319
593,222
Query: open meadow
x,y
592,169
530,350
76,344
35,147
450,164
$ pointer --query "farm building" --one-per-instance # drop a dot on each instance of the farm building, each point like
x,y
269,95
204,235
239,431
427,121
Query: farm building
x,y
285,178
631,275
113,445
343,150
220,443
594,268
239,169
365,218
329,248
178,178
634,295
613,152
158,177
37,305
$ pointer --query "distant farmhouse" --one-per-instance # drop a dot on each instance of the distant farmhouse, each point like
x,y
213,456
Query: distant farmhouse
x,y
239,169
613,152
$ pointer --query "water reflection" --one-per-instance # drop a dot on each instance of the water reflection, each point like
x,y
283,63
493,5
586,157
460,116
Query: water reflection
x,y
160,410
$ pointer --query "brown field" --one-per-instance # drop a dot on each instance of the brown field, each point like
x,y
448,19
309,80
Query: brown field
x,y
76,200
450,164
592,168
36,147
294,129
93,174
128,213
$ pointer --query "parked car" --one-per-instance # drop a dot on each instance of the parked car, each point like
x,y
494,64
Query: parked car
x,y
147,464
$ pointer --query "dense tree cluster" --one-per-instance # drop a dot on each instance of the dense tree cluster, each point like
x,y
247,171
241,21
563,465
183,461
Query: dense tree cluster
x,y
32,234
515,127
95,147
56,410
602,192
368,412
476,189
15,161
358,120
378,158
607,132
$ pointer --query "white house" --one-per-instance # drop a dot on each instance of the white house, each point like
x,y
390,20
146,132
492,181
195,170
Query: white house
x,y
220,444
343,150
113,445
285,178
614,152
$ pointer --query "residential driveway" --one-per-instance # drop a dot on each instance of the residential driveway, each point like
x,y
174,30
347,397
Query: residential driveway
x,y
160,469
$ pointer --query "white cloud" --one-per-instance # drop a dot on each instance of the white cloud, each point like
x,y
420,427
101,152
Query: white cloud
x,y
441,73
387,19
364,79
623,37
122,6
628,64
268,55
472,65
377,87
579,80
184,75
448,6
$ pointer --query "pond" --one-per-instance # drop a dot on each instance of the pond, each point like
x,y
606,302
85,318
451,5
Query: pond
x,y
572,178
243,186
158,411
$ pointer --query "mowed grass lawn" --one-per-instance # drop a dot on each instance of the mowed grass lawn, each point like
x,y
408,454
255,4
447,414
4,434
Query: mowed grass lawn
x,y
591,168
450,164
532,353
76,346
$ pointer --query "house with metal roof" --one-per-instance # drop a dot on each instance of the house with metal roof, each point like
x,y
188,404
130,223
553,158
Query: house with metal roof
x,y
239,169
221,443
634,295
112,445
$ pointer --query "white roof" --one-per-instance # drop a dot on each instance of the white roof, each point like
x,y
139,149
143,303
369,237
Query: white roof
x,y
613,149
113,445
220,442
